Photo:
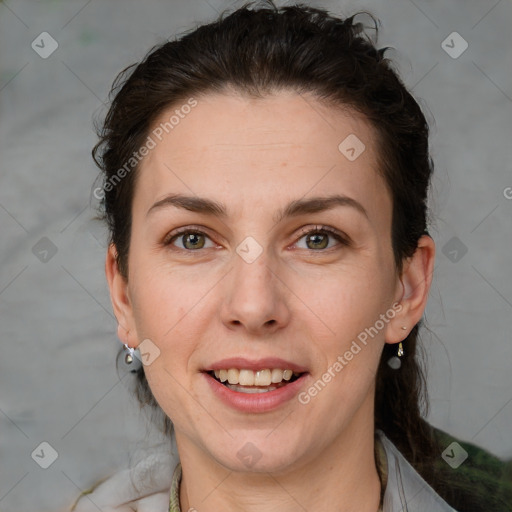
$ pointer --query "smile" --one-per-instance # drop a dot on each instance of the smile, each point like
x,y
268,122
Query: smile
x,y
249,381
252,398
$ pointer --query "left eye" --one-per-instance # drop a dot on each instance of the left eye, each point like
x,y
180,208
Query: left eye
x,y
318,238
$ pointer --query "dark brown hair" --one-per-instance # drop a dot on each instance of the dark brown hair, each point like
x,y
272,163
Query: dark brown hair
x,y
256,50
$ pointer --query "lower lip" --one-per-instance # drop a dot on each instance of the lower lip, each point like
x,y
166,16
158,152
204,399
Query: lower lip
x,y
256,402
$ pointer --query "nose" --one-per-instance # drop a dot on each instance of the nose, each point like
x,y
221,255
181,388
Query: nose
x,y
256,298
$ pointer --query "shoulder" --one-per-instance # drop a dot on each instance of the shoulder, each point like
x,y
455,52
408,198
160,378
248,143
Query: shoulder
x,y
405,488
477,480
465,477
144,488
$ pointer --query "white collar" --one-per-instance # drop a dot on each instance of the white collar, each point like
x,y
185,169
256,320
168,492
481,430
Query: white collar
x,y
406,490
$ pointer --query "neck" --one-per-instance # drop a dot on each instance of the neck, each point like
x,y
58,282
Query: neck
x,y
343,477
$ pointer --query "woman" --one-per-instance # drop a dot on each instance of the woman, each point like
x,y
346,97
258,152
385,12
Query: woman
x,y
265,185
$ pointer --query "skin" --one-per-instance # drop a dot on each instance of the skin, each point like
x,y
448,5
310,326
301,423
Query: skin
x,y
302,299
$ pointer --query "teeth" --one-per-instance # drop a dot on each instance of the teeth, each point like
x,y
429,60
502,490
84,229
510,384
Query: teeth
x,y
245,377
277,376
233,375
242,389
287,374
263,378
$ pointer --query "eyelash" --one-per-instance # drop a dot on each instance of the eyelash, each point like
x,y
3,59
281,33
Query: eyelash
x,y
343,239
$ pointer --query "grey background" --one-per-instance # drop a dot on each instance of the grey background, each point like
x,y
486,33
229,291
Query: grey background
x,y
57,378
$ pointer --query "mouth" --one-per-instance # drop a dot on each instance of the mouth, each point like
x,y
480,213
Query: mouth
x,y
249,381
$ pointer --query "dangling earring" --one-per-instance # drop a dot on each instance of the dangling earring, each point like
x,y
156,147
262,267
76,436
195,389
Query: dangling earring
x,y
395,362
400,351
129,359
128,354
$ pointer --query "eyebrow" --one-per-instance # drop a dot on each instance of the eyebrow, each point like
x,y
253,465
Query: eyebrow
x,y
293,209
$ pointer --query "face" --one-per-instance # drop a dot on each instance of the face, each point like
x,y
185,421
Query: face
x,y
266,277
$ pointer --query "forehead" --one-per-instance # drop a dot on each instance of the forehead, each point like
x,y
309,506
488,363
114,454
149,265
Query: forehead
x,y
237,148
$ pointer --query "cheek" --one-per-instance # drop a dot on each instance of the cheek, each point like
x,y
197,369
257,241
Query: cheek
x,y
162,314
161,297
167,310
345,301
349,349
348,334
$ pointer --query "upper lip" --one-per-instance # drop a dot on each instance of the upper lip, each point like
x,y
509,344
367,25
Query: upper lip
x,y
256,364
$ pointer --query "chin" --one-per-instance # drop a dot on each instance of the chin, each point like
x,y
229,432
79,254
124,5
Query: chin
x,y
258,453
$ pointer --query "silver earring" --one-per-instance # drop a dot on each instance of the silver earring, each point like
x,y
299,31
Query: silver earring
x,y
129,359
128,356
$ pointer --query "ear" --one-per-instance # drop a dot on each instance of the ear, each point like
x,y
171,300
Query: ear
x,y
413,291
120,299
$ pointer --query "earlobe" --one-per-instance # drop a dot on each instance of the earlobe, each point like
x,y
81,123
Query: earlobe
x,y
122,333
415,280
119,297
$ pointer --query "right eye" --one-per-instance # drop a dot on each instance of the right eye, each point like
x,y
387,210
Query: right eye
x,y
191,239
